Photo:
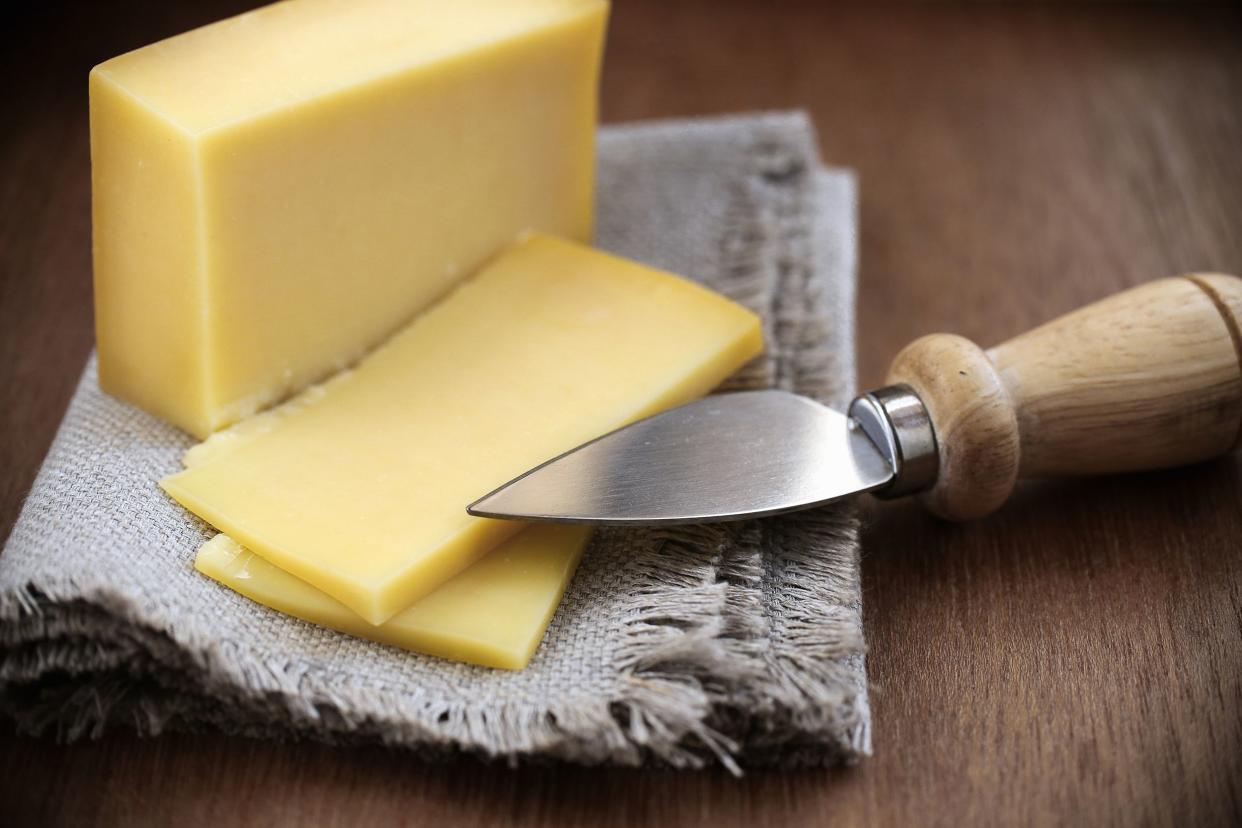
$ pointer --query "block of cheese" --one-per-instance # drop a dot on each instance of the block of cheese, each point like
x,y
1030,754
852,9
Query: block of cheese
x,y
493,613
276,193
360,488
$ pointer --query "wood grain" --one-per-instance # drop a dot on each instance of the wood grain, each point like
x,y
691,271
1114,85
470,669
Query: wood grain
x,y
1074,659
975,423
1145,379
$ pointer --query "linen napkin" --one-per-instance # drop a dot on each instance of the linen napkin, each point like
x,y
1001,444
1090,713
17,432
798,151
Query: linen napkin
x,y
739,643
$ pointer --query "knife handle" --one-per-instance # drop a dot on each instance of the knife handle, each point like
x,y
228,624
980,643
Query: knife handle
x,y
1146,379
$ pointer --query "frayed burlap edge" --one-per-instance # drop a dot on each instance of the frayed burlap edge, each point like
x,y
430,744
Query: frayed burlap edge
x,y
725,655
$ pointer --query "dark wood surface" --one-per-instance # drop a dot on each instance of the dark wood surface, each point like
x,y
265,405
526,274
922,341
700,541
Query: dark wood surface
x,y
1075,659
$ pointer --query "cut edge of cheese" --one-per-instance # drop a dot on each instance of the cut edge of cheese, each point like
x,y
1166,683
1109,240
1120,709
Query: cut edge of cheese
x,y
313,73
494,614
375,599
182,268
221,442
723,338
161,180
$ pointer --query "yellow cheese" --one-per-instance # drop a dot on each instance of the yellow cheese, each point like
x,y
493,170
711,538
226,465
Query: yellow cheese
x,y
360,488
277,193
494,613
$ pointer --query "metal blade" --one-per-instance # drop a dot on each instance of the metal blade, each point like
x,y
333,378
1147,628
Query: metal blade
x,y
727,457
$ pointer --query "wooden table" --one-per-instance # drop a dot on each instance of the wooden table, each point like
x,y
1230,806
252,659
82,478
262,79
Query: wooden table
x,y
1076,659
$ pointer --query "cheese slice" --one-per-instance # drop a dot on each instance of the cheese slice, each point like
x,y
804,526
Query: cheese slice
x,y
495,613
360,488
277,193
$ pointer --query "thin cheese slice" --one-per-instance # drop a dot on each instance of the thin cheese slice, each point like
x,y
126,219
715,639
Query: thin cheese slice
x,y
277,193
494,613
361,488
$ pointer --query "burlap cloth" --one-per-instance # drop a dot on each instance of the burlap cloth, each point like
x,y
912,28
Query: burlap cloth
x,y
740,644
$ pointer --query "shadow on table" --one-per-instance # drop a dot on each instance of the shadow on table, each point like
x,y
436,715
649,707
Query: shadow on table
x,y
199,779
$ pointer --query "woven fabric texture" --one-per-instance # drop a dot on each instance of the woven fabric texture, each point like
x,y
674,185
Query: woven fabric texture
x,y
735,644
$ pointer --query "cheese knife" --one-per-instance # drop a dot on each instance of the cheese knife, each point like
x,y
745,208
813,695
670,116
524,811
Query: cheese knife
x,y
1145,379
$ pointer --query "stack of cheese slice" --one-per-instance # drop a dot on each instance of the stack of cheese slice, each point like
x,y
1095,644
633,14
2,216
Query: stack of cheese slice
x,y
353,495
277,194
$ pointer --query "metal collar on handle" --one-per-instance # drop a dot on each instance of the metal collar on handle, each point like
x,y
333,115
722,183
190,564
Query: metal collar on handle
x,y
896,421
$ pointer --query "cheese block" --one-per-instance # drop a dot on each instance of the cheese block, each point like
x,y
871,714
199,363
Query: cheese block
x,y
494,613
276,193
360,487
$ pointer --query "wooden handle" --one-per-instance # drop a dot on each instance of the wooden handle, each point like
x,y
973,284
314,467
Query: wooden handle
x,y
1145,379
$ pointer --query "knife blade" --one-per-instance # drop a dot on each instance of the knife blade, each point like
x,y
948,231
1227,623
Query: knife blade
x,y
713,460
1145,379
